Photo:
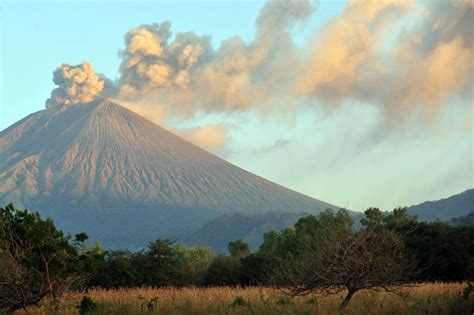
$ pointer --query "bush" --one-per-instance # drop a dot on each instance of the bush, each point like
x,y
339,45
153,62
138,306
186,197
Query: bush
x,y
223,271
239,301
87,306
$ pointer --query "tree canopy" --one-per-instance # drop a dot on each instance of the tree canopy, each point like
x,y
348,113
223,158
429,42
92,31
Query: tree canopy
x,y
36,259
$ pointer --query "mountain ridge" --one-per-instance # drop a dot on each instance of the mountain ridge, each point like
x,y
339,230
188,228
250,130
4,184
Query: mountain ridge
x,y
445,209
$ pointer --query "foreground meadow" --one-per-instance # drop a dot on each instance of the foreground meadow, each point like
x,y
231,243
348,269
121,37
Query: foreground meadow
x,y
430,298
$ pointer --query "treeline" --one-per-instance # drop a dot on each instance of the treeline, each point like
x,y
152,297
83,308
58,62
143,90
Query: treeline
x,y
324,252
441,252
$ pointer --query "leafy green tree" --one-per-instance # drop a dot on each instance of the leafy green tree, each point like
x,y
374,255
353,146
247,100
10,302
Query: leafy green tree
x,y
157,264
192,264
311,229
238,248
36,259
116,270
271,240
255,269
327,220
223,271
400,222
443,252
374,219
92,256
285,244
307,234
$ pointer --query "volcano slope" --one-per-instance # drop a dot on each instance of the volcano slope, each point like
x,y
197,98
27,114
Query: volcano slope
x,y
124,180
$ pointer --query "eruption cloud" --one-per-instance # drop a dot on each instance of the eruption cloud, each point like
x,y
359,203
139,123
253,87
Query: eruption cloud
x,y
400,56
76,84
187,74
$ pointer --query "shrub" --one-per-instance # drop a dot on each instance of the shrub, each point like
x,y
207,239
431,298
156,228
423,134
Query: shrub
x,y
239,301
87,306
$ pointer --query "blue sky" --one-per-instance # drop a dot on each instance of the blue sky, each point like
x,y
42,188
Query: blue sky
x,y
336,140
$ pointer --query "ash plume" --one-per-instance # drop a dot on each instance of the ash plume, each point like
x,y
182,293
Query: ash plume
x,y
76,84
187,74
368,54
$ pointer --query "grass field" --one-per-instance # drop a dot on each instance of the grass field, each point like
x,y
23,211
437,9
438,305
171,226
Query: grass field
x,y
437,298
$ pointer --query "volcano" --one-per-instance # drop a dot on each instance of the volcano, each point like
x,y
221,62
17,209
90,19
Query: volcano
x,y
124,180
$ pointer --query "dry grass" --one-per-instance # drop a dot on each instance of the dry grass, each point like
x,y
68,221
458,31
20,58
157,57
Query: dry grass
x,y
437,298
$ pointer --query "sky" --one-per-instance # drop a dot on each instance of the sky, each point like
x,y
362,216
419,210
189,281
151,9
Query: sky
x,y
355,103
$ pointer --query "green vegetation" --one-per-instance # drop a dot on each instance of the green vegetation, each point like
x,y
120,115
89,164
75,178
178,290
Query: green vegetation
x,y
248,227
321,255
37,260
87,305
332,257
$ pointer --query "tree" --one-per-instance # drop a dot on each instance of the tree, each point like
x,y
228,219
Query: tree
x,y
238,248
287,244
37,260
292,243
116,270
443,252
341,259
192,264
374,218
255,269
223,271
157,264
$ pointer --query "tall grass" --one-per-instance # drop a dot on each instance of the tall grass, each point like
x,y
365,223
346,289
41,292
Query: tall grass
x,y
429,298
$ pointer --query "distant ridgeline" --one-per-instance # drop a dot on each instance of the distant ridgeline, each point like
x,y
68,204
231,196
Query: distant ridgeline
x,y
445,209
